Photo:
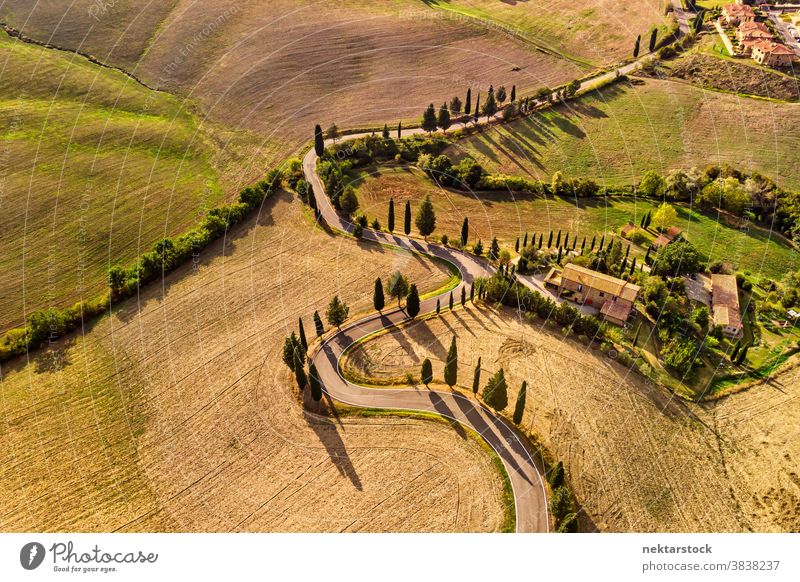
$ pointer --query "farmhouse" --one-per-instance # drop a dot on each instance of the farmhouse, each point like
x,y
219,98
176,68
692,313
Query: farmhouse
x,y
751,30
773,54
725,305
613,297
734,14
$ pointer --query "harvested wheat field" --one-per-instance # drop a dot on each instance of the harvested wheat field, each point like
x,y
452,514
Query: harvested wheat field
x,y
600,32
281,66
637,458
177,414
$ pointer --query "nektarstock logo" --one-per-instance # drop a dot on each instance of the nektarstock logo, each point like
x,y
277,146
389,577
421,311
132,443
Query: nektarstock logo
x,y
31,555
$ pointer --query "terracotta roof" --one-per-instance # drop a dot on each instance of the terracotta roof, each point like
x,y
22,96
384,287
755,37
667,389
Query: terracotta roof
x,y
619,310
628,228
725,301
661,241
756,34
751,25
738,10
772,48
672,232
600,281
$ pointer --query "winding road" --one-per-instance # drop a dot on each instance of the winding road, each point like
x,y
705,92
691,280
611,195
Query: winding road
x,y
530,498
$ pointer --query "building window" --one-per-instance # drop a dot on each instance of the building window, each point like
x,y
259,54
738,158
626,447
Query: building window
x,y
602,294
580,288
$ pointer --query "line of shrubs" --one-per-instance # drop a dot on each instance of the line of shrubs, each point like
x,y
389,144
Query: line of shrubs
x,y
47,325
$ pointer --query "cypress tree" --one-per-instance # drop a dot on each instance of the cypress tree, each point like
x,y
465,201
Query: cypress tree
x,y
438,306
427,372
320,329
490,107
291,346
627,251
299,370
516,246
495,394
566,241
653,38
412,301
316,385
443,118
463,296
451,301
426,217
451,364
602,242
558,239
583,245
429,119
574,242
641,222
513,93
303,342
556,477
519,409
623,266
319,141
464,232
636,47
468,103
541,238
550,240
735,350
742,355
476,377
472,292
399,129
591,248
558,260
477,108
407,219
494,250
378,300
525,241
633,266
391,215
647,254
385,131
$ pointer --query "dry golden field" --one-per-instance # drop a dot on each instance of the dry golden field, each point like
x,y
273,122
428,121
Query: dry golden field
x,y
176,413
637,458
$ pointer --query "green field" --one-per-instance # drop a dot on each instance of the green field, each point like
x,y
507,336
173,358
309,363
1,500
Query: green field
x,y
95,168
507,217
620,132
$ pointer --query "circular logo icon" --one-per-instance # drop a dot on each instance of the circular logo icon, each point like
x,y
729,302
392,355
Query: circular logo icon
x,y
31,555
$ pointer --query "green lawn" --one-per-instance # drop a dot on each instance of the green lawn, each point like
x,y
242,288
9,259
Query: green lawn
x,y
96,168
507,217
616,134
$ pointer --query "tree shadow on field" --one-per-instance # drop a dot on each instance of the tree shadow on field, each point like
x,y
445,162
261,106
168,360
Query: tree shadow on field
x,y
328,435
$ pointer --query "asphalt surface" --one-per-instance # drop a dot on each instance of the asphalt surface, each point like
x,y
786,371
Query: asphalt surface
x,y
526,480
530,498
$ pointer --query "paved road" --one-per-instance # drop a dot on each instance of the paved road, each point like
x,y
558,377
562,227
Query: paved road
x,y
526,480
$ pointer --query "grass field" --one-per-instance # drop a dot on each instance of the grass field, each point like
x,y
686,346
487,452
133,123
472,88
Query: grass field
x,y
95,167
618,133
507,217
177,414
600,32
634,455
